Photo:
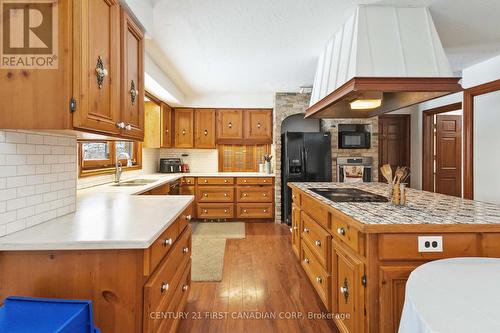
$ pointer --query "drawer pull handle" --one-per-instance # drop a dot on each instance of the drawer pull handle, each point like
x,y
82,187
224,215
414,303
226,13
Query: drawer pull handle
x,y
185,287
230,125
225,180
205,211
306,230
245,195
306,260
259,125
265,210
265,180
205,132
167,242
185,249
225,194
295,228
206,181
244,181
164,287
318,243
319,279
101,72
244,210
183,132
205,194
344,290
293,196
225,210
189,181
265,194
188,217
341,231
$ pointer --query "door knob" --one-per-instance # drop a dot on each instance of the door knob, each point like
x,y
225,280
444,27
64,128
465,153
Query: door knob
x,y
167,242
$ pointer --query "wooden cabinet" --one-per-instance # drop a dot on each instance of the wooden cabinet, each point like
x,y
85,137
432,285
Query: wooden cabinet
x,y
229,125
296,230
320,279
204,128
255,210
258,125
254,193
132,90
157,125
100,52
97,69
318,239
184,126
215,194
167,126
349,292
215,210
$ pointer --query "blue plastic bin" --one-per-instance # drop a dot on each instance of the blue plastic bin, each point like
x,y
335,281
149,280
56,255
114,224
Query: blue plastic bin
x,y
45,315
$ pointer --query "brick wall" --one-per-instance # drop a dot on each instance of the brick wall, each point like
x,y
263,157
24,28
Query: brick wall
x,y
37,178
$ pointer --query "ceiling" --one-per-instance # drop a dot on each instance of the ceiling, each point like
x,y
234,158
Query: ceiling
x,y
266,46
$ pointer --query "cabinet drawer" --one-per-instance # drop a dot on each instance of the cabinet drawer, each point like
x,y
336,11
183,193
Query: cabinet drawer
x,y
160,288
296,230
343,230
185,218
405,246
255,180
255,210
215,194
215,180
315,210
296,196
162,245
255,193
215,211
319,278
318,239
187,181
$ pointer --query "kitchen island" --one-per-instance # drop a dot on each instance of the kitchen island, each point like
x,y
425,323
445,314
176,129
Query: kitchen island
x,y
358,255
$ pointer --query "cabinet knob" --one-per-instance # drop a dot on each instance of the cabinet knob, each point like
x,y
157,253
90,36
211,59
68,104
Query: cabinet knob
x,y
265,194
205,194
183,132
230,125
205,181
341,231
128,127
306,230
100,72
245,181
265,210
185,249
306,260
121,125
319,279
265,180
318,243
259,125
245,195
344,290
188,217
133,92
167,242
225,194
244,210
205,211
290,229
164,287
225,180
295,228
205,132
185,287
166,130
189,181
225,210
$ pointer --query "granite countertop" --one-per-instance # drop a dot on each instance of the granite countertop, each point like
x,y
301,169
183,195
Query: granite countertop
x,y
422,208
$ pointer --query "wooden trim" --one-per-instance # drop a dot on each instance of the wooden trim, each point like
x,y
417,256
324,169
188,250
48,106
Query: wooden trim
x,y
422,88
468,133
427,143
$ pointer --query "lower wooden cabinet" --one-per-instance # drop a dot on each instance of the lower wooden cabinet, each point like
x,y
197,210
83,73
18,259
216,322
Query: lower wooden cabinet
x,y
215,210
319,277
215,194
255,210
296,230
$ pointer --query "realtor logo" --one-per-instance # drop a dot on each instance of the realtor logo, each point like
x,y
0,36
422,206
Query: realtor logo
x,y
28,34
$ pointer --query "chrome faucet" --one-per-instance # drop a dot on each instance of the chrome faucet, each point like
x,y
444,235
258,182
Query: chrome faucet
x,y
118,165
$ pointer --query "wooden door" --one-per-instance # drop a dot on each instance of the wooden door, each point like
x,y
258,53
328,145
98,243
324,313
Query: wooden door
x,y
448,178
132,56
152,126
392,295
39,98
394,141
184,128
258,125
96,70
349,292
229,124
204,128
167,128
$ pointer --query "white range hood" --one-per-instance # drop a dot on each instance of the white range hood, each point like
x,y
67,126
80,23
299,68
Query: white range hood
x,y
382,59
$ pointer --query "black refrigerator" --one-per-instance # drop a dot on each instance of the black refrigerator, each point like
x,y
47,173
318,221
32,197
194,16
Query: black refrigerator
x,y
305,157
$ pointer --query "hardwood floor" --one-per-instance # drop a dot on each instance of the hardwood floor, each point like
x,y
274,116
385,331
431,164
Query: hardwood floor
x,y
262,278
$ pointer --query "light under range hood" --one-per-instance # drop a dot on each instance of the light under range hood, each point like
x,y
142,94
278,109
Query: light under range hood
x,y
382,59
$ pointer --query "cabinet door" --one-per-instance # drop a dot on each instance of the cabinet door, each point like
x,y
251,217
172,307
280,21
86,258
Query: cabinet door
x,y
258,125
96,71
229,124
204,132
296,228
349,292
184,128
132,56
167,128
152,133
392,295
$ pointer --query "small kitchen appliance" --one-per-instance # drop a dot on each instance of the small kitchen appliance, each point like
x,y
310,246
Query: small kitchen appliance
x,y
170,165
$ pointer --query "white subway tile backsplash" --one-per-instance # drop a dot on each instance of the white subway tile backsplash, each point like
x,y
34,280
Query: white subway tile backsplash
x,y
37,178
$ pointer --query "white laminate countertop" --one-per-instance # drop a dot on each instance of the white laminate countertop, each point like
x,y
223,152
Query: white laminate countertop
x,y
112,217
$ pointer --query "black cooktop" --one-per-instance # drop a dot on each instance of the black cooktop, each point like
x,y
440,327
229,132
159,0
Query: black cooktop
x,y
345,194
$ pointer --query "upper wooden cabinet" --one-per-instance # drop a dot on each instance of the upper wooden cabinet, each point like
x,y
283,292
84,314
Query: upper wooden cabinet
x,y
229,125
132,90
258,124
184,125
167,126
204,128
100,52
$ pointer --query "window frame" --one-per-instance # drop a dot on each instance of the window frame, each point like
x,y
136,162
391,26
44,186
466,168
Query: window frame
x,y
100,167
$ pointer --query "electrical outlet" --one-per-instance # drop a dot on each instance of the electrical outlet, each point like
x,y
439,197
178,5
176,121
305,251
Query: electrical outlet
x,y
430,243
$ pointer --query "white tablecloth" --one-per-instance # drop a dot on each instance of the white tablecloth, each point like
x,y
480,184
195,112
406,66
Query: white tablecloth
x,y
453,295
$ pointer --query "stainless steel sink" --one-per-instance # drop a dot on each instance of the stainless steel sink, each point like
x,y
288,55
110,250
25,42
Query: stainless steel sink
x,y
136,182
